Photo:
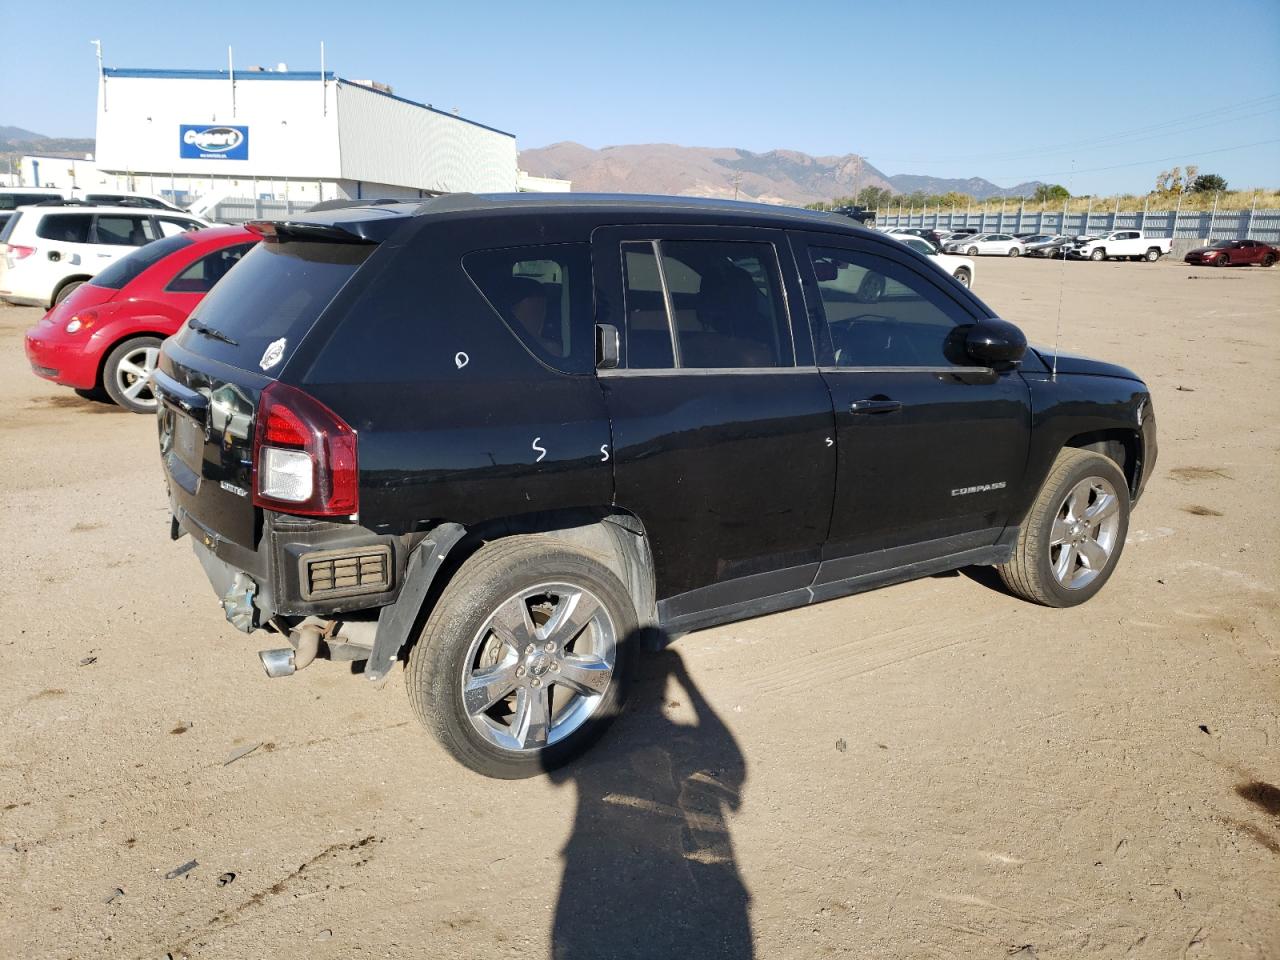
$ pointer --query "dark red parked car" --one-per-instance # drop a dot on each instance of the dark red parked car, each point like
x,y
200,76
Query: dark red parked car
x,y
1231,253
104,338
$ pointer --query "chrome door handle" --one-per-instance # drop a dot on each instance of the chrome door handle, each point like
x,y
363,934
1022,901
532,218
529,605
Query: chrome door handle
x,y
875,406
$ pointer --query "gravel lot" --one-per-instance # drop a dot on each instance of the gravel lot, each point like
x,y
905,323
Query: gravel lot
x,y
932,770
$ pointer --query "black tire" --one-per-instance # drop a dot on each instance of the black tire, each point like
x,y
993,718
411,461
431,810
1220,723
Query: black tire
x,y
1029,573
437,663
1098,256
65,291
1153,255
112,376
1222,261
972,251
1014,251
963,277
1269,259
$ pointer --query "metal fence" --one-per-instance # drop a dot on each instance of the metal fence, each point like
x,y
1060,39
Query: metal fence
x,y
241,209
1178,224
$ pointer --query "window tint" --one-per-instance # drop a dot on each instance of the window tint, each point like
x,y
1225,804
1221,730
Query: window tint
x,y
648,333
882,314
723,306
129,267
278,290
9,200
543,293
205,272
65,227
119,230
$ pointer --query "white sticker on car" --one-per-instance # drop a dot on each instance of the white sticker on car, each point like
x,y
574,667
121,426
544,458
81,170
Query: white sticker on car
x,y
273,354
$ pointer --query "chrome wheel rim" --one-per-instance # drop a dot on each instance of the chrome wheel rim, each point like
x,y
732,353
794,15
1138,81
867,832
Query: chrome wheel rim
x,y
962,278
539,667
1085,532
133,375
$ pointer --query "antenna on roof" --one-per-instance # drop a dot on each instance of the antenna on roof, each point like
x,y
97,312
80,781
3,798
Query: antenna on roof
x,y
1062,277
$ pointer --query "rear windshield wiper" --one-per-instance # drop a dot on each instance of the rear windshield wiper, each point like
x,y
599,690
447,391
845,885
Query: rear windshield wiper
x,y
209,331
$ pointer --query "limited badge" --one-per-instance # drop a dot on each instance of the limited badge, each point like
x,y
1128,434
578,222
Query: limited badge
x,y
272,355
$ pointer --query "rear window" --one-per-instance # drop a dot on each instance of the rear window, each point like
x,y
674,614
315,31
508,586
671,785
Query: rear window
x,y
65,227
277,291
128,268
5,220
9,201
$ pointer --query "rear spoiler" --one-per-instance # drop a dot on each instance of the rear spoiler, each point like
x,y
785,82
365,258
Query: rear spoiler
x,y
275,231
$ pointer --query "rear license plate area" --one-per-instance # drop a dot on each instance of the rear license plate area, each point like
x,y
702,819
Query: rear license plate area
x,y
188,443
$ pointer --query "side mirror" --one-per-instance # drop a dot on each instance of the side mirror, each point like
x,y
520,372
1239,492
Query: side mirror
x,y
871,289
606,346
995,343
825,270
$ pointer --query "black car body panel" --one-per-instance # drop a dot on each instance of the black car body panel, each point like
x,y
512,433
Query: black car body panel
x,y
754,488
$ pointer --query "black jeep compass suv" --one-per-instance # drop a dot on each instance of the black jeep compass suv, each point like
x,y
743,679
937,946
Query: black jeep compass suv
x,y
506,436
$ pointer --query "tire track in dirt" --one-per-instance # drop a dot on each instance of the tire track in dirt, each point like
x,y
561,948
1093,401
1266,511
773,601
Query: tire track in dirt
x,y
867,654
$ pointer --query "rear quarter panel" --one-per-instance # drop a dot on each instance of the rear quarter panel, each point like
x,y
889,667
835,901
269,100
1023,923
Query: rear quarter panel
x,y
456,420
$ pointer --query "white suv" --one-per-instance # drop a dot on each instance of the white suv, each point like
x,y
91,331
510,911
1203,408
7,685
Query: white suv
x,y
48,251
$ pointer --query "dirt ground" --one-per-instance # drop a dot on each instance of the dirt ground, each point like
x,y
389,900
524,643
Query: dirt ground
x,y
932,770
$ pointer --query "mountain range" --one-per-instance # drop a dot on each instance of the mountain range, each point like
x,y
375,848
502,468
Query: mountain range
x,y
19,142
779,176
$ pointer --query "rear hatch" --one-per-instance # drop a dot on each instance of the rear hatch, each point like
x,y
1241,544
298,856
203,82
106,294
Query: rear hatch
x,y
211,375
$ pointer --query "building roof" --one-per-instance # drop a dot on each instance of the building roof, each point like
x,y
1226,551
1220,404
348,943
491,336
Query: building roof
x,y
147,73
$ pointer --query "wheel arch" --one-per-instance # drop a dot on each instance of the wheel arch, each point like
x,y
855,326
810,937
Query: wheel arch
x,y
1122,445
615,537
115,341
61,284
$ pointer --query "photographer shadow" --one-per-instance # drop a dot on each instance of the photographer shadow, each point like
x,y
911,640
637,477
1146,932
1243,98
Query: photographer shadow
x,y
649,870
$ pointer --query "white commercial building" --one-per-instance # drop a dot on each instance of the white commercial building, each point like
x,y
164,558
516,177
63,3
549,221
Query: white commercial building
x,y
287,135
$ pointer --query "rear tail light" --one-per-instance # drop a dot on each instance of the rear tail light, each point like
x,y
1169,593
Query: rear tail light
x,y
304,456
17,251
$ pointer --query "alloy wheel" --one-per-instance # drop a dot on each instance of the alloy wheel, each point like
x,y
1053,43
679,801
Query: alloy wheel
x,y
133,375
1084,533
539,667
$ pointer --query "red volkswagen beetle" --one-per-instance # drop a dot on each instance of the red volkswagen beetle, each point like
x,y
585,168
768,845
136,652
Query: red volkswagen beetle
x,y
104,337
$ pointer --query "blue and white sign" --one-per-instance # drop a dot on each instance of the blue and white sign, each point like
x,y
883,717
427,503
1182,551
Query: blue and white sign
x,y
213,142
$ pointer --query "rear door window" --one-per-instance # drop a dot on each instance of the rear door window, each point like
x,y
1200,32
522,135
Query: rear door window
x,y
704,304
543,294
277,292
124,230
65,227
208,270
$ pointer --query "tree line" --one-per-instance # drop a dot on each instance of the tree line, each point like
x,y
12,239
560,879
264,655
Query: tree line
x,y
1168,183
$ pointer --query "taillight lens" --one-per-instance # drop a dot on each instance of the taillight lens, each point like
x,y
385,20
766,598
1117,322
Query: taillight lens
x,y
304,456
17,251
82,321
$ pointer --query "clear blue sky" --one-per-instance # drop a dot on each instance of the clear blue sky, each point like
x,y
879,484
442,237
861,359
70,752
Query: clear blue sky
x,y
1008,91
